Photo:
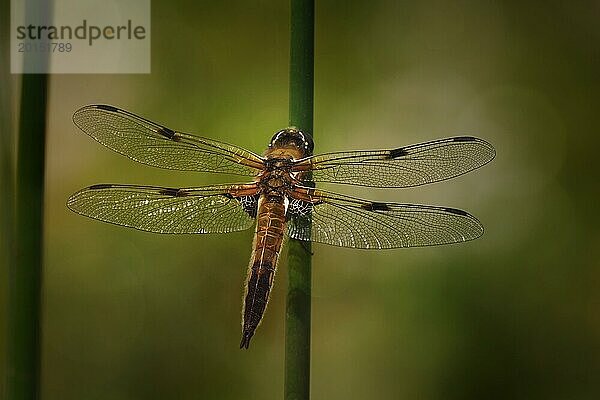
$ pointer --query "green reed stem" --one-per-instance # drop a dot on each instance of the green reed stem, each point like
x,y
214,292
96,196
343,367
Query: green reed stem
x,y
7,178
25,274
298,309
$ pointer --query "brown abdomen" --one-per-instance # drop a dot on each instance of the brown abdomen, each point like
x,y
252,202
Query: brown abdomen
x,y
268,239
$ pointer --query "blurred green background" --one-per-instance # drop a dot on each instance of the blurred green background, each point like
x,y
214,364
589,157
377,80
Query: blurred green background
x,y
514,315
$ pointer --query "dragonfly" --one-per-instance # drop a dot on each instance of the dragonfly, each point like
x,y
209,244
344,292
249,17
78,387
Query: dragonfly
x,y
279,198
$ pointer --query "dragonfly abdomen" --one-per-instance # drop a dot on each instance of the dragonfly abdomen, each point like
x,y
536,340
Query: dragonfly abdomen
x,y
268,240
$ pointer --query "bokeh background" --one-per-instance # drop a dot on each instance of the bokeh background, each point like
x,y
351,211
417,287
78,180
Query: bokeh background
x,y
514,315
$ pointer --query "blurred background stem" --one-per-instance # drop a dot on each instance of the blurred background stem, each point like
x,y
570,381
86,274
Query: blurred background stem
x,y
298,308
7,177
25,274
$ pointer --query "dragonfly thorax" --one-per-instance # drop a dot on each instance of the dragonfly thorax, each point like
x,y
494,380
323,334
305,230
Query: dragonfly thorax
x,y
276,163
276,181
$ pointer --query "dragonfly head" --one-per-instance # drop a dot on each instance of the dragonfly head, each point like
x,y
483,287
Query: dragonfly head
x,y
295,138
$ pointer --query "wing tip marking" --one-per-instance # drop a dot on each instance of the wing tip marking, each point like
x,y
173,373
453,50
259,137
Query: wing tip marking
x,y
105,107
101,186
376,206
465,139
456,211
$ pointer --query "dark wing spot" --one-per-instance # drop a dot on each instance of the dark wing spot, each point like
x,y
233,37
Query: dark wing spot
x,y
168,133
456,211
376,206
399,152
173,192
107,107
101,186
464,139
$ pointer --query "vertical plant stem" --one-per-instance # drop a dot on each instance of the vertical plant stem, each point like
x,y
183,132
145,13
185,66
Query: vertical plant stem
x,y
25,278
298,308
25,274
7,178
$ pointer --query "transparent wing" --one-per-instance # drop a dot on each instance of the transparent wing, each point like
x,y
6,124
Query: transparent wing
x,y
407,166
210,209
346,221
152,144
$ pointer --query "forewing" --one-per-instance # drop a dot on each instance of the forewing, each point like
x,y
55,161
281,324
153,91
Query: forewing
x,y
210,209
153,144
407,166
346,221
